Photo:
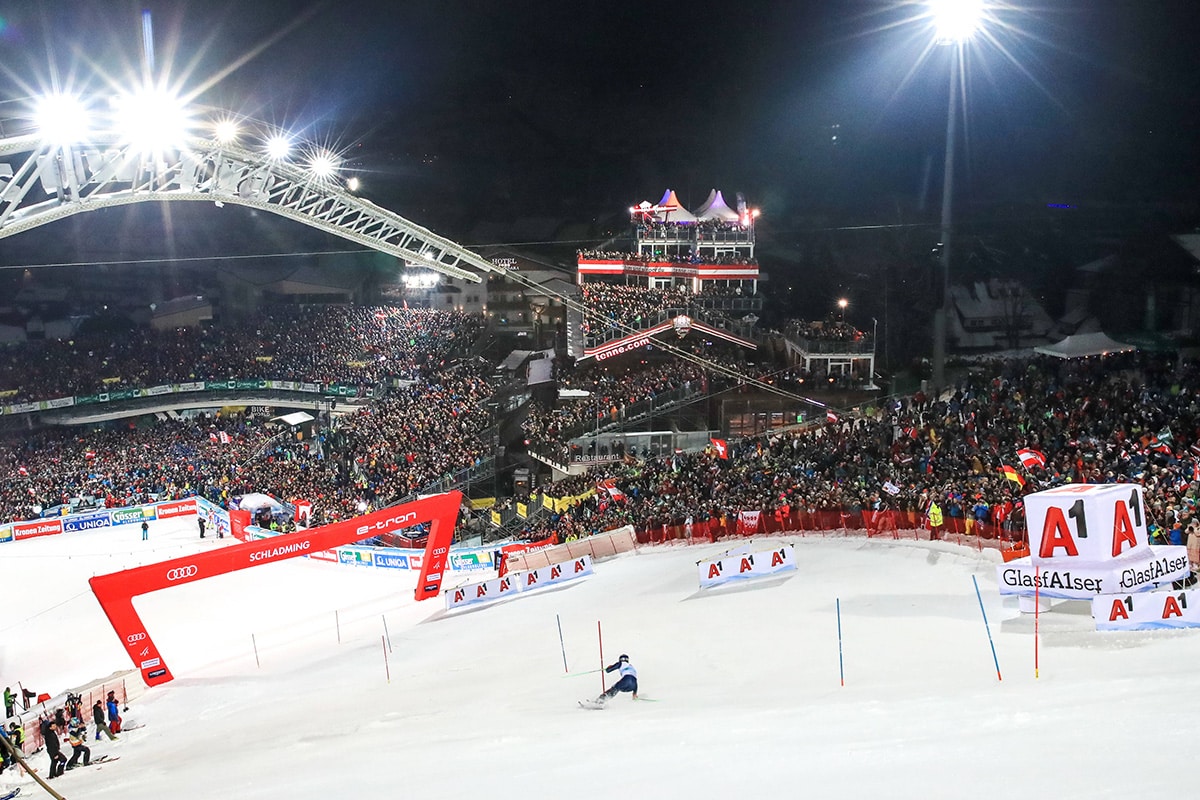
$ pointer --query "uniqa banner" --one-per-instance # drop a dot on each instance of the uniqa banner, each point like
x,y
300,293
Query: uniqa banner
x,y
1146,611
745,565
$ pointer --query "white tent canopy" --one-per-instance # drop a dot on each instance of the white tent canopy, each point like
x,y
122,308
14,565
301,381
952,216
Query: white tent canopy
x,y
715,207
1085,344
669,209
293,419
253,501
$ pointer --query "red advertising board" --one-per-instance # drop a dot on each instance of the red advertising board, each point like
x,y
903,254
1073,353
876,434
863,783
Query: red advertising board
x,y
178,508
116,591
41,527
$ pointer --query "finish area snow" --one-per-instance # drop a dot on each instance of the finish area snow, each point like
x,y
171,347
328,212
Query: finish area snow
x,y
746,679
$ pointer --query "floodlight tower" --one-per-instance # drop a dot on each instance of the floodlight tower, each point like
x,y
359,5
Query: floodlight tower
x,y
955,23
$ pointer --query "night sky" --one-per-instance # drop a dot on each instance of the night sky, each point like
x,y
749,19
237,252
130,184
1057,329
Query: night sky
x,y
456,112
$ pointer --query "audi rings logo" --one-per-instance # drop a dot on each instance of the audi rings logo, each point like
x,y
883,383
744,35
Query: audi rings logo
x,y
135,637
181,573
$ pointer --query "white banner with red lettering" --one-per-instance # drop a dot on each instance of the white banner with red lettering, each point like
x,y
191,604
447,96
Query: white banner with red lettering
x,y
733,566
516,582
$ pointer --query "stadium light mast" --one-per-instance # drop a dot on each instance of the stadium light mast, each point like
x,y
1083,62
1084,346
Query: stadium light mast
x,y
955,23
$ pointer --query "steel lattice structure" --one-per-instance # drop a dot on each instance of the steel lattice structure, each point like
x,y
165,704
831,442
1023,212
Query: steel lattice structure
x,y
42,182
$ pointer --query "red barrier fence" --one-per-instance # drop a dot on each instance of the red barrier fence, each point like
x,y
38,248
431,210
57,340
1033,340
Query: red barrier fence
x,y
29,720
890,524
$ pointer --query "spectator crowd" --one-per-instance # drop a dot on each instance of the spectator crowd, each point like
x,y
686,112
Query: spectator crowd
x,y
426,427
1131,419
329,344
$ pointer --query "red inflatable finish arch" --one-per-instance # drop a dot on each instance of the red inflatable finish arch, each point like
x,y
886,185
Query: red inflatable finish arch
x,y
117,590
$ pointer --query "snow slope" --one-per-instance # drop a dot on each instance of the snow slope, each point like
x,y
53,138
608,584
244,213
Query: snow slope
x,y
745,679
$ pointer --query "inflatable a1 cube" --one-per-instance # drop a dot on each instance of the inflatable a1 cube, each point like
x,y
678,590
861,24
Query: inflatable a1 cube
x,y
1090,539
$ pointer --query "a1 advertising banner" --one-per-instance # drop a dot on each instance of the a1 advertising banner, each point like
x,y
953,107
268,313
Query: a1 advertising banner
x,y
744,565
516,582
87,522
127,516
42,527
485,592
1146,611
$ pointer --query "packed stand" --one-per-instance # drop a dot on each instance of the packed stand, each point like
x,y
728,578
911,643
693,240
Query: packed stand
x,y
1127,419
328,344
403,442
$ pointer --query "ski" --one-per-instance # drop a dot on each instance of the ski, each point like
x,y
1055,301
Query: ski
x,y
102,760
11,794
132,727
591,704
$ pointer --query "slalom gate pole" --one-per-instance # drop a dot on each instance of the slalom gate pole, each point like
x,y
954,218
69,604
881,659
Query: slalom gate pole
x,y
987,627
562,646
386,669
1037,606
255,643
337,623
386,635
841,663
600,638
19,757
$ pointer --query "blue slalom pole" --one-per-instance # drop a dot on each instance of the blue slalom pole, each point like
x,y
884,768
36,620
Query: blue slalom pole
x,y
987,628
841,663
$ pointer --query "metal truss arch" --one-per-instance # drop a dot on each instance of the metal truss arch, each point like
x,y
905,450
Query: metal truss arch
x,y
41,183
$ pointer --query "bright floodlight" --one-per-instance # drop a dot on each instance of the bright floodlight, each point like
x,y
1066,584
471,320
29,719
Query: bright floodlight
x,y
322,164
956,20
61,118
151,119
352,184
226,131
279,146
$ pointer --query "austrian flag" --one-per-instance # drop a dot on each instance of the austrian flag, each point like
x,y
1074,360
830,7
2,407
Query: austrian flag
x,y
831,417
610,486
1031,458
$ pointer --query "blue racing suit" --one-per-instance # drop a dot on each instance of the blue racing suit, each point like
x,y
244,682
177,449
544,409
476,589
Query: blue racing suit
x,y
627,681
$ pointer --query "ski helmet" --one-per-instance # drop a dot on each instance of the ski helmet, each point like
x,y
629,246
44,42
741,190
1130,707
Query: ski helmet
x,y
623,657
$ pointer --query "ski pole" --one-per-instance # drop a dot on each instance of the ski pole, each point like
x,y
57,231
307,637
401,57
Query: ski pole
x,y
585,672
